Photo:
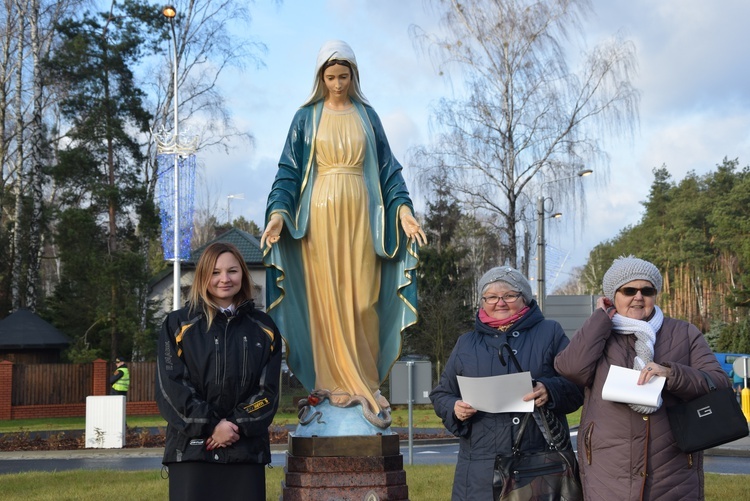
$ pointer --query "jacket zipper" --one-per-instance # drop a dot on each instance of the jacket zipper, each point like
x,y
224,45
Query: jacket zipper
x,y
244,361
224,371
216,359
537,471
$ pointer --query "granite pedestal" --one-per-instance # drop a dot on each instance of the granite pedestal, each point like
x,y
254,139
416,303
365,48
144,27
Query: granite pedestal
x,y
348,468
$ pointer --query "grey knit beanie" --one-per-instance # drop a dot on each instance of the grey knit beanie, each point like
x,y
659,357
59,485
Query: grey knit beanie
x,y
510,276
625,269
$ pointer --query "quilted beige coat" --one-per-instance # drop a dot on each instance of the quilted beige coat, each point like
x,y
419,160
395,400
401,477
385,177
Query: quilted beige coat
x,y
625,455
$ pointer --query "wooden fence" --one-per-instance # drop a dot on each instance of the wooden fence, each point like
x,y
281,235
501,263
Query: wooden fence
x,y
51,384
60,390
142,381
46,384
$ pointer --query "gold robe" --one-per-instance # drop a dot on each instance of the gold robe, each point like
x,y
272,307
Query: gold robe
x,y
342,271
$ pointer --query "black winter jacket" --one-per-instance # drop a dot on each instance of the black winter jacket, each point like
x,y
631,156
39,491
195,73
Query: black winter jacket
x,y
535,342
230,371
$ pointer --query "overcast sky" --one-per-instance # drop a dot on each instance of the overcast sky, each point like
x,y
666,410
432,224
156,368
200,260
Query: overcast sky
x,y
693,77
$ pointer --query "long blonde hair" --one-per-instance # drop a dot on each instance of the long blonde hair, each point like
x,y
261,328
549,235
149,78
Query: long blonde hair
x,y
199,296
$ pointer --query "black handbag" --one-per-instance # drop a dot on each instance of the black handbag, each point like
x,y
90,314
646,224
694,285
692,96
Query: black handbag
x,y
551,475
709,420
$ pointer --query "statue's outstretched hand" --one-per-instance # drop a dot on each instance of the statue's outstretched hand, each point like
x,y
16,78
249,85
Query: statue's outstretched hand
x,y
272,233
412,228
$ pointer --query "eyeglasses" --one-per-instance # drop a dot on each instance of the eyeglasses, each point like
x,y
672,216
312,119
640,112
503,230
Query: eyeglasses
x,y
507,298
632,291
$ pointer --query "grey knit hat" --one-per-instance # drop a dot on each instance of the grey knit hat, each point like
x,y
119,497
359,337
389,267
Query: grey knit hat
x,y
510,276
625,269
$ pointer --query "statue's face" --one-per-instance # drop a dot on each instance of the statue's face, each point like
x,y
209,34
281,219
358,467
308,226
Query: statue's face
x,y
337,78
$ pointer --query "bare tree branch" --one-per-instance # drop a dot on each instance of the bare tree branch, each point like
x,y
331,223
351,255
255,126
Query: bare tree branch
x,y
524,118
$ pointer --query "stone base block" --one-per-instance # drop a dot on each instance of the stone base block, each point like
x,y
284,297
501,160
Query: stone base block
x,y
367,445
342,478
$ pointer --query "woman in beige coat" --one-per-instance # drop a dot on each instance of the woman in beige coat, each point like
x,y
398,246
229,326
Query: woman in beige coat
x,y
627,452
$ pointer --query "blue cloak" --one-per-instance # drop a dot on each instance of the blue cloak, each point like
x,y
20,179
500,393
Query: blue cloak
x,y
290,197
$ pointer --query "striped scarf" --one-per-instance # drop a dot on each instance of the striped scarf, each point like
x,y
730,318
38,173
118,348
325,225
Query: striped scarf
x,y
645,337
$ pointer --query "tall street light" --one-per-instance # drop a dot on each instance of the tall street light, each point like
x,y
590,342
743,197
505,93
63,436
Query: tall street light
x,y
541,292
170,13
175,203
240,196
175,193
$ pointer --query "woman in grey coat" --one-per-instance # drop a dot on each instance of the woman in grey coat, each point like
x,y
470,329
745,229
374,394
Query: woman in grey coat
x,y
508,314
627,451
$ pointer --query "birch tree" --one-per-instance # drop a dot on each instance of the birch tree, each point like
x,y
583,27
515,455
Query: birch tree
x,y
36,161
522,116
27,35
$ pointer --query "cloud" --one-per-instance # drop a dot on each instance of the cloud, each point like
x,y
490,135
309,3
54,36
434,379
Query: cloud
x,y
394,78
694,79
695,108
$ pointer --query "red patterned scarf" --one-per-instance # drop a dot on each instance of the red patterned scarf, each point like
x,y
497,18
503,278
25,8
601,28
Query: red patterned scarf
x,y
501,323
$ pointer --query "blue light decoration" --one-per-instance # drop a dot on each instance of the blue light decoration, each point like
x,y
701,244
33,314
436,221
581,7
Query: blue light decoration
x,y
165,196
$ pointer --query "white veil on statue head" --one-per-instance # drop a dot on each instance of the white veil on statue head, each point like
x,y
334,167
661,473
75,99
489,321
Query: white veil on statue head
x,y
335,50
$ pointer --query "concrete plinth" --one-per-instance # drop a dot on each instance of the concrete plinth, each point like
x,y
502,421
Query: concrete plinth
x,y
335,468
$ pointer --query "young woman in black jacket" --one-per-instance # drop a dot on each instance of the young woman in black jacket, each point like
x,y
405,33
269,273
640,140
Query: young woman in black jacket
x,y
217,384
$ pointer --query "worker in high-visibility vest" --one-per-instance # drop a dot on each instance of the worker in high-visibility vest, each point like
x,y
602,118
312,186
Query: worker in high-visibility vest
x,y
120,380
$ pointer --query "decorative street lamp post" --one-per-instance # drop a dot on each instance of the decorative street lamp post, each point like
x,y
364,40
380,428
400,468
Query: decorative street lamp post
x,y
169,144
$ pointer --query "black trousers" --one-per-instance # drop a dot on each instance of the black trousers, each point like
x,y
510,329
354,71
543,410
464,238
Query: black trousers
x,y
200,481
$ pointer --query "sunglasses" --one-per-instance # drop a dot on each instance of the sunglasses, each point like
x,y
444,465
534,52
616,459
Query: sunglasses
x,y
632,291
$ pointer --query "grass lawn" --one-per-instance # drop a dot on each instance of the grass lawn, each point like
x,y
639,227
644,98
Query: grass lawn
x,y
422,417
426,482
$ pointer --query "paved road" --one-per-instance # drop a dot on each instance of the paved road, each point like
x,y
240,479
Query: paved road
x,y
440,454
150,459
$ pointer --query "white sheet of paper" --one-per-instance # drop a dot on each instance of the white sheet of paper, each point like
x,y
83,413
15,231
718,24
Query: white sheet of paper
x,y
497,394
622,386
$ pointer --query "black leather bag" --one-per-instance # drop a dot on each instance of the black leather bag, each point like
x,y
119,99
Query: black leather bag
x,y
551,475
707,421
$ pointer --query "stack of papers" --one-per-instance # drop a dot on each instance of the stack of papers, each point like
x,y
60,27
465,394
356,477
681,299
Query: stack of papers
x,y
622,386
497,394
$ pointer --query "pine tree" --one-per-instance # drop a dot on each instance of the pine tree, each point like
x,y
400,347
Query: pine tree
x,y
102,278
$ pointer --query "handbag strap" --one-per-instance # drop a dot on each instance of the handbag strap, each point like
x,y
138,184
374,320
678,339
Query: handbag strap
x,y
711,385
553,430
557,439
555,436
519,434
511,356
